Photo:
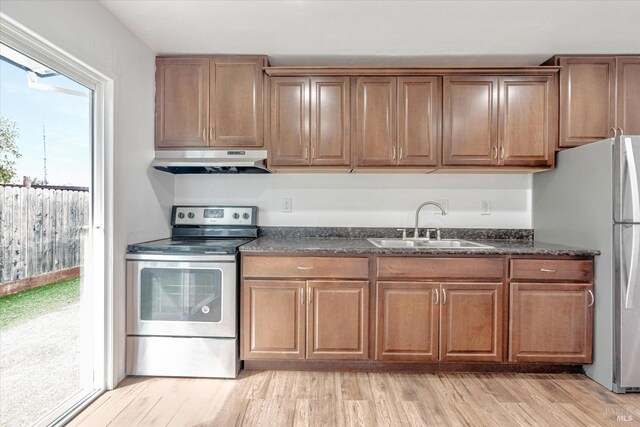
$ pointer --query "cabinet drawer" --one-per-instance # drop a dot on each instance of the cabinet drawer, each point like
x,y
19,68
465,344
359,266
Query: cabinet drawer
x,y
303,267
440,268
552,269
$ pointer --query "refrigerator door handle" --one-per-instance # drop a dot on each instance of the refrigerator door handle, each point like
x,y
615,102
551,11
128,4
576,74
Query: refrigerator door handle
x,y
633,180
633,269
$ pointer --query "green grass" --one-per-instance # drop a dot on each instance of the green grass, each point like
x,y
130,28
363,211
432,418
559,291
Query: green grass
x,y
25,305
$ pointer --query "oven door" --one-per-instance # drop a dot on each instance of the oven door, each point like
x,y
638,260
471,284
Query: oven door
x,y
184,299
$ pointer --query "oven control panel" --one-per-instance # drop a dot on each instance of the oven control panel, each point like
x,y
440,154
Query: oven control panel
x,y
214,215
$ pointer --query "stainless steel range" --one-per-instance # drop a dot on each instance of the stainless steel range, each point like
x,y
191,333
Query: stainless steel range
x,y
182,294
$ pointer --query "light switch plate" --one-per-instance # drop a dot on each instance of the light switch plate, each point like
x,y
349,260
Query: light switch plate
x,y
486,207
445,205
287,205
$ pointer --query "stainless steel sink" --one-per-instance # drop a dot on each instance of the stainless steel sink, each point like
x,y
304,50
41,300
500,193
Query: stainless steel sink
x,y
418,243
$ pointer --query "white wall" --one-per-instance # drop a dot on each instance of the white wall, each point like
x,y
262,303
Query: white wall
x,y
86,30
386,200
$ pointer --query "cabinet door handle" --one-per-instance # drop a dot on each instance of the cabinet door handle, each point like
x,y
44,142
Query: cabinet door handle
x,y
621,131
593,298
306,153
548,270
302,296
502,152
304,268
495,153
313,152
444,297
204,134
393,152
436,291
615,132
401,154
309,298
210,134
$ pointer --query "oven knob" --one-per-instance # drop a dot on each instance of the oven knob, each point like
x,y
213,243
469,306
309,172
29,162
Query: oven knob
x,y
236,215
245,215
191,215
181,215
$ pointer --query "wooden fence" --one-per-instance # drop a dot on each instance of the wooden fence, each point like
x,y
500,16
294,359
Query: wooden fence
x,y
41,231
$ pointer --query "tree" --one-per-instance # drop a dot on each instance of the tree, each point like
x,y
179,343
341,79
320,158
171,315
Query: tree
x,y
8,149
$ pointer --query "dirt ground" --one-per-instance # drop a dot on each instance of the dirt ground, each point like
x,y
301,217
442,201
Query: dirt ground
x,y
39,365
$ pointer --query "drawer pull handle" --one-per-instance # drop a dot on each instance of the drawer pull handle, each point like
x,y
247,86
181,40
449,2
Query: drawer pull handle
x,y
593,298
305,268
437,297
549,270
444,297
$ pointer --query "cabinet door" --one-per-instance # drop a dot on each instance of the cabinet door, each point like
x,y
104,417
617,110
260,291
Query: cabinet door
x,y
289,121
551,322
330,121
587,109
471,322
470,120
628,81
528,121
236,102
338,320
419,108
182,102
376,121
408,315
273,319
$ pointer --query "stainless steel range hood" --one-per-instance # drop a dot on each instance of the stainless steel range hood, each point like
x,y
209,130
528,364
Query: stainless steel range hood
x,y
211,161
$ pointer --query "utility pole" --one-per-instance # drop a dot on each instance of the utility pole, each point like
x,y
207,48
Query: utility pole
x,y
44,145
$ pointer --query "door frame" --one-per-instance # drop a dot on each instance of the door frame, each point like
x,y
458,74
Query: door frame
x,y
99,268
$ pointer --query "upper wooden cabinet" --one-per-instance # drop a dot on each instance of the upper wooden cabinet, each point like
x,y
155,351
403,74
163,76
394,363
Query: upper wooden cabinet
x,y
628,94
597,93
398,121
470,120
182,102
494,121
310,121
376,121
209,102
236,114
528,121
419,111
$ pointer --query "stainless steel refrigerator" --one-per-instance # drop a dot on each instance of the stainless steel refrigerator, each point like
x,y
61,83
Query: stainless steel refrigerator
x,y
592,200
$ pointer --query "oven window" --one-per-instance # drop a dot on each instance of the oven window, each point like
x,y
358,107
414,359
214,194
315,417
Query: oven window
x,y
181,295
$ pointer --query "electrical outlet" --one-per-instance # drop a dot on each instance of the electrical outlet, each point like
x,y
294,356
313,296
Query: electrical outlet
x,y
445,205
486,207
287,205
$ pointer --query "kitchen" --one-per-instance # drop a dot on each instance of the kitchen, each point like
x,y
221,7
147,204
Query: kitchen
x,y
317,208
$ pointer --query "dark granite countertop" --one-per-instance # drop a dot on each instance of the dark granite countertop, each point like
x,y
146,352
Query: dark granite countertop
x,y
336,245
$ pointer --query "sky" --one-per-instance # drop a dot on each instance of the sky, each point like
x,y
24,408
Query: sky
x,y
67,121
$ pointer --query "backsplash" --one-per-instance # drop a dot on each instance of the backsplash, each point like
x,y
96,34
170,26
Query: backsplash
x,y
367,200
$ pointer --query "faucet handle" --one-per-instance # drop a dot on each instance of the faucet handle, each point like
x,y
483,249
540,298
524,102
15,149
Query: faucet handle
x,y
404,233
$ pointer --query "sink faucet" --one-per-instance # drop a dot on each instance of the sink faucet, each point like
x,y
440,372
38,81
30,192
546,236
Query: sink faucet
x,y
415,230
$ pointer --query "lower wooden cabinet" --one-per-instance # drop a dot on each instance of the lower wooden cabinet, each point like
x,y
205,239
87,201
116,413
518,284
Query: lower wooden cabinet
x,y
408,319
296,319
471,322
551,322
337,320
273,319
425,309
423,321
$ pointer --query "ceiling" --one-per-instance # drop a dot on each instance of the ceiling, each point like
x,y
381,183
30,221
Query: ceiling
x,y
323,32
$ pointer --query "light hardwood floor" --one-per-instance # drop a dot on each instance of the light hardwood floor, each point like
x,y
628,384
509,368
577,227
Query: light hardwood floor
x,y
281,398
